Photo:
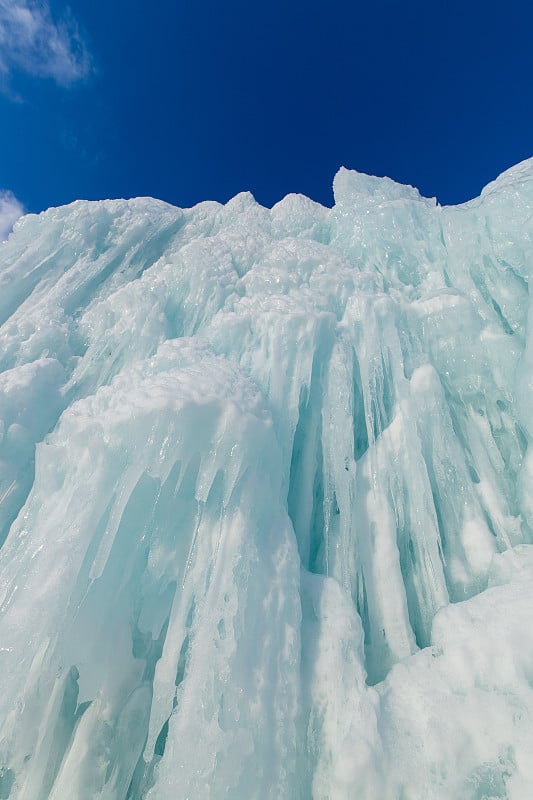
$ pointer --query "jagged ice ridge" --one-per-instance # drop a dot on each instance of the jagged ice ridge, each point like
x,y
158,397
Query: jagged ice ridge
x,y
266,502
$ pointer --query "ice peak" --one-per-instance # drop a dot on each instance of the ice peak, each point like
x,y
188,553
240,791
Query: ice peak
x,y
352,188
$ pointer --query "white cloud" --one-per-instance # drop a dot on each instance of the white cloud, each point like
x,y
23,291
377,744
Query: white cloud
x,y
10,210
33,42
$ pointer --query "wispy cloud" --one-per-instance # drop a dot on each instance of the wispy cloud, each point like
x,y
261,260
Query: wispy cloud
x,y
10,210
32,41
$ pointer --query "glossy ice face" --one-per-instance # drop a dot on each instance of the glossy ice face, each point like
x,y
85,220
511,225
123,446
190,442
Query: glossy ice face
x,y
266,498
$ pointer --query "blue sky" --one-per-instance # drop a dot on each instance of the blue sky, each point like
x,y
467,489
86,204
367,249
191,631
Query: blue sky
x,y
189,101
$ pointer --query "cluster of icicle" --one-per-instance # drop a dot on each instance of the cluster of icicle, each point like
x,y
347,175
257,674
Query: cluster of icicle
x,y
266,498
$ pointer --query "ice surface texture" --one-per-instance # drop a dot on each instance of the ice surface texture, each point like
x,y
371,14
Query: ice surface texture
x,y
266,498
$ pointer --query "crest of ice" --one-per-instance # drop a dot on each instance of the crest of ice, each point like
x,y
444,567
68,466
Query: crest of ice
x,y
266,498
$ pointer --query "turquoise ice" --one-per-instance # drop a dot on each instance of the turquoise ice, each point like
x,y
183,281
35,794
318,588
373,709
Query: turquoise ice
x,y
266,498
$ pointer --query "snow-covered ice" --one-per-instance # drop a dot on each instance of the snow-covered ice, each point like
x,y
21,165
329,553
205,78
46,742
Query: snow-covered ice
x,y
266,498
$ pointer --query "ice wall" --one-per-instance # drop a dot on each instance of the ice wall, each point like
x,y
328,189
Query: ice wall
x,y
266,504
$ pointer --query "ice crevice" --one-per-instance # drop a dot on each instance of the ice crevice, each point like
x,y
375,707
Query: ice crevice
x,y
265,498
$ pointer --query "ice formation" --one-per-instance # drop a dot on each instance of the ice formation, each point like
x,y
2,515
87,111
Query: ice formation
x,y
266,498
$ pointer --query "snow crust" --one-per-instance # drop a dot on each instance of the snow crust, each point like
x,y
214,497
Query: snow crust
x,y
266,498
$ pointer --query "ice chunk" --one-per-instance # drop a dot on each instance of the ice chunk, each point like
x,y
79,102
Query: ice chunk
x,y
266,498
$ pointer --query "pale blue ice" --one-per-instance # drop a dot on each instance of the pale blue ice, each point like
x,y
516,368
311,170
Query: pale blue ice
x,y
266,498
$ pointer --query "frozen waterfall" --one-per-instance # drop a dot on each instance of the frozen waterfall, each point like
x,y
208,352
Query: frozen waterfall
x,y
266,498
